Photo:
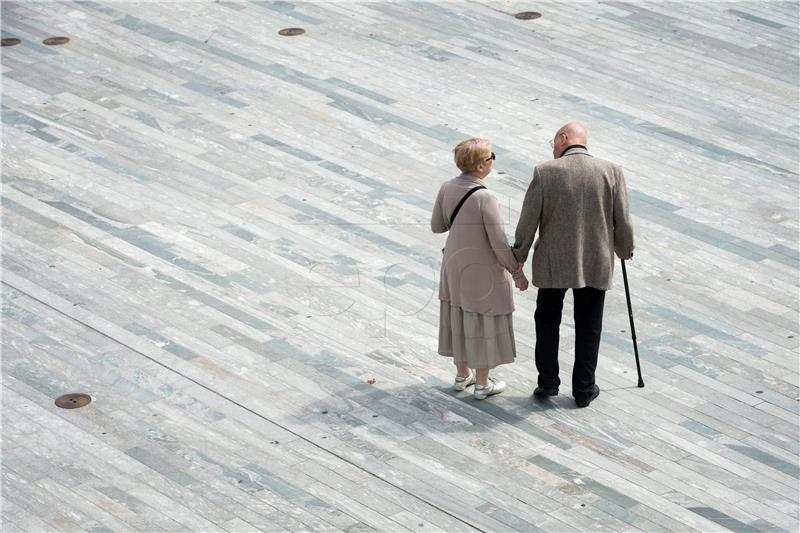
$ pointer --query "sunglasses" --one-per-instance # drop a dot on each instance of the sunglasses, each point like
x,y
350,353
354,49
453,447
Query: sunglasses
x,y
492,157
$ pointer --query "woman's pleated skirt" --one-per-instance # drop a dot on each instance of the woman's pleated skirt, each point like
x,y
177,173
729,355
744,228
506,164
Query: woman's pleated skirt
x,y
475,340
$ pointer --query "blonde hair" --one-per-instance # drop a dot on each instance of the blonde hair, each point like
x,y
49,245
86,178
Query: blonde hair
x,y
471,153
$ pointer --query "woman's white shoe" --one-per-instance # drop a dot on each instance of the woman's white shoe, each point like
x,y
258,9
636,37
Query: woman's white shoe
x,y
492,387
462,383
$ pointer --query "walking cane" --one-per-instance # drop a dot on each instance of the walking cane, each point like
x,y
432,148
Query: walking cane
x,y
630,315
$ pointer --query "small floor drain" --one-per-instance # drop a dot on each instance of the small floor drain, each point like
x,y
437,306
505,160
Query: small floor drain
x,y
528,15
73,401
289,32
11,41
55,41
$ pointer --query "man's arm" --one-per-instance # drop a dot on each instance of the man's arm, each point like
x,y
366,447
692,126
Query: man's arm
x,y
623,225
528,219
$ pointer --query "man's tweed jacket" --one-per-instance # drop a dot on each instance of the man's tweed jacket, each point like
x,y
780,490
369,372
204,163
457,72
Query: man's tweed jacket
x,y
579,204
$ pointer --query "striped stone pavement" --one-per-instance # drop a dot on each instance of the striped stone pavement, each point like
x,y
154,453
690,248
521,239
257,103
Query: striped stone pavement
x,y
221,234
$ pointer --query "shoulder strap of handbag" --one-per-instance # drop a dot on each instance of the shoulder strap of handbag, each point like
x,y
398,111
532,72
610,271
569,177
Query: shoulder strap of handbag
x,y
464,199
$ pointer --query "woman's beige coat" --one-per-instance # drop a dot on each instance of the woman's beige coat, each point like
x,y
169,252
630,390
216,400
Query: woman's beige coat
x,y
477,253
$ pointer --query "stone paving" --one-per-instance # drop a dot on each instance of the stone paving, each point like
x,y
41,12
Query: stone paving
x,y
221,234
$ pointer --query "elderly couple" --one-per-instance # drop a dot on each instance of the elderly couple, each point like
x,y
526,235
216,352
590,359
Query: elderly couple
x,y
579,205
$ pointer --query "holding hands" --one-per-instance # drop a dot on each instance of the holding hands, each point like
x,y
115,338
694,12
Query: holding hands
x,y
520,281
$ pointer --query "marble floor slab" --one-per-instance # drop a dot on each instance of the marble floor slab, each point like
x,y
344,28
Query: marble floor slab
x,y
221,234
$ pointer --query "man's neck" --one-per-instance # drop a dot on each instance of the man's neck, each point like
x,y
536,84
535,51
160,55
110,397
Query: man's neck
x,y
570,147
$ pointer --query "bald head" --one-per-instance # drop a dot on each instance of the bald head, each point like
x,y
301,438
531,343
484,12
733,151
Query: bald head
x,y
567,135
576,133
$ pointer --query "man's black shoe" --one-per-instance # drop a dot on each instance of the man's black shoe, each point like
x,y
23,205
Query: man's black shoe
x,y
544,392
585,401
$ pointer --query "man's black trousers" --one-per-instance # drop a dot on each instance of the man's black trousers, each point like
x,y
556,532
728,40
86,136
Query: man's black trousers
x,y
588,314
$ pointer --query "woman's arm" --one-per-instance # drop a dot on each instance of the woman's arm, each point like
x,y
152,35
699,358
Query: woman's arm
x,y
438,222
493,224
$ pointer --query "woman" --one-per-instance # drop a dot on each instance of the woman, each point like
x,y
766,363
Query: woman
x,y
475,326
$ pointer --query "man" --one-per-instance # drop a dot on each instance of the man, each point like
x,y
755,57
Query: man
x,y
579,204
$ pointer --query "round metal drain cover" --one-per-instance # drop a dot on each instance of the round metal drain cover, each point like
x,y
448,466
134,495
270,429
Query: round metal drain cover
x,y
73,401
528,15
11,41
289,32
55,41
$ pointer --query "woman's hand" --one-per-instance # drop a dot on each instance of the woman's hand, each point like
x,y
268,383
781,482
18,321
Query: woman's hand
x,y
518,269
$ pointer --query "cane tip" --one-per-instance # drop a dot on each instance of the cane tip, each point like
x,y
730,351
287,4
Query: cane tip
x,y
641,383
